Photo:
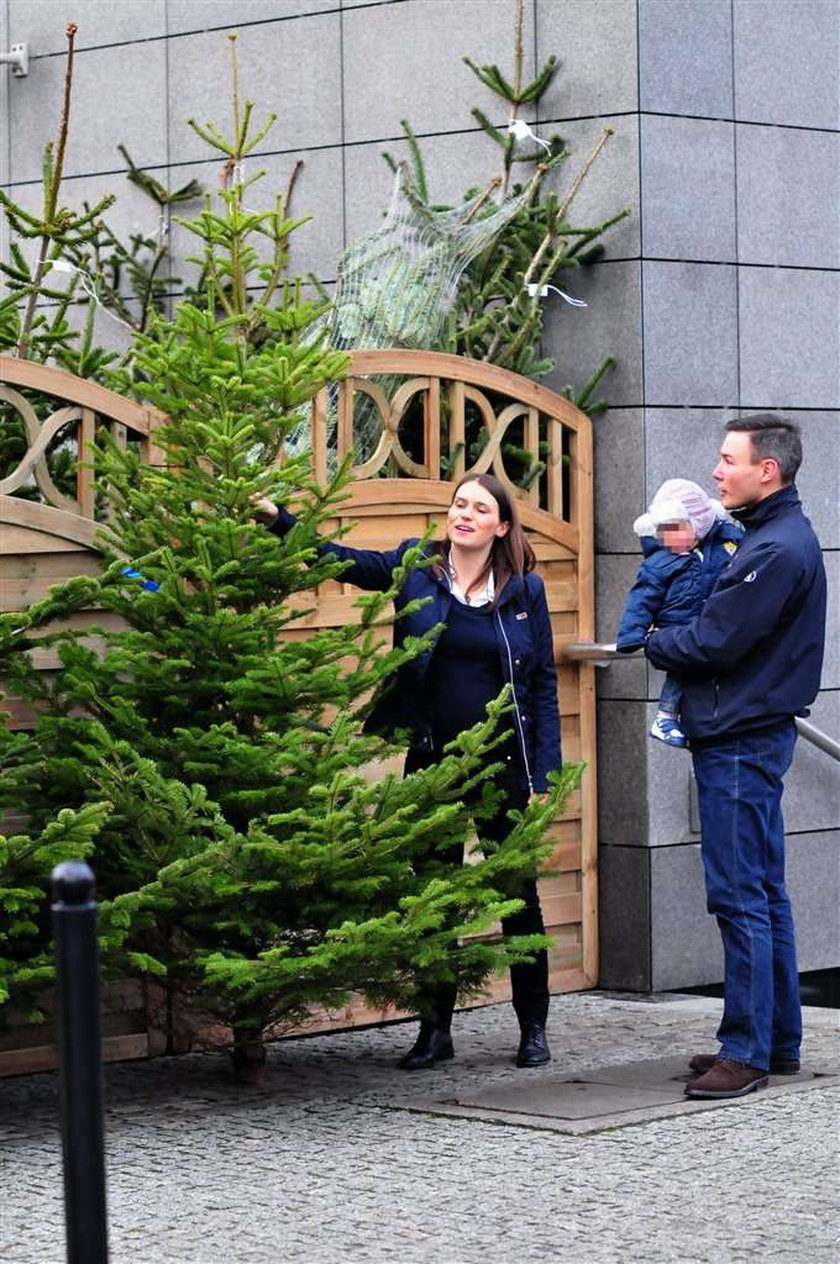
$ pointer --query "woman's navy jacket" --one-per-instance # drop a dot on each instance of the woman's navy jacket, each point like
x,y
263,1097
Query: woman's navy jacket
x,y
752,658
670,588
523,634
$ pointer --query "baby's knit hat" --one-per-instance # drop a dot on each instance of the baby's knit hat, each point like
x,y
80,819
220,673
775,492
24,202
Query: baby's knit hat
x,y
680,500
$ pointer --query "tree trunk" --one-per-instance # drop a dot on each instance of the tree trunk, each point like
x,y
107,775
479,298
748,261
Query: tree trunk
x,y
249,1053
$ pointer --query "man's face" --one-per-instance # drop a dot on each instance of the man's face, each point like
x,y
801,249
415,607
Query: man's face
x,y
740,479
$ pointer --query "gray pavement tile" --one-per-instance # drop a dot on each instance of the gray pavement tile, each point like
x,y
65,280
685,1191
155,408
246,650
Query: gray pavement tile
x,y
614,1097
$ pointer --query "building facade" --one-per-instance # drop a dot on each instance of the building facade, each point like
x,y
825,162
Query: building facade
x,y
719,294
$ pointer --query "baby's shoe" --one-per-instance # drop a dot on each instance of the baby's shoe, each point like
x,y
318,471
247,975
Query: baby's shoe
x,y
666,728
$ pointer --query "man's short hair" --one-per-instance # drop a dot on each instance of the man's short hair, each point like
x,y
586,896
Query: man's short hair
x,y
774,437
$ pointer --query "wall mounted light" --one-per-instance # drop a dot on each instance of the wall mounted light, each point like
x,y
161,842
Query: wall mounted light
x,y
18,58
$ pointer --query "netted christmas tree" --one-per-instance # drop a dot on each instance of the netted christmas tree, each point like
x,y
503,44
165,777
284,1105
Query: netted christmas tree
x,y
250,859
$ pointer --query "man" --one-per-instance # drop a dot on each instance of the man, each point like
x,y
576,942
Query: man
x,y
750,662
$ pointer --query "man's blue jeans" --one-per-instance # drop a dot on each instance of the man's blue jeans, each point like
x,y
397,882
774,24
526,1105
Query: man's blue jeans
x,y
739,786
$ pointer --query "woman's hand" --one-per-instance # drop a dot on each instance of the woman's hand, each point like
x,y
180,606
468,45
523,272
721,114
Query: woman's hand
x,y
264,509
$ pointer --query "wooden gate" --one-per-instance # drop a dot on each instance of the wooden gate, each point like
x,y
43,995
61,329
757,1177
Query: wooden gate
x,y
414,422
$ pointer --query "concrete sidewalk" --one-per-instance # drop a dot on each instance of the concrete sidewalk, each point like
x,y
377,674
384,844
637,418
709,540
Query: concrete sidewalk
x,y
330,1159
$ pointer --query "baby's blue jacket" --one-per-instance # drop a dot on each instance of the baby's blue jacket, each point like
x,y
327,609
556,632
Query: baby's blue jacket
x,y
670,588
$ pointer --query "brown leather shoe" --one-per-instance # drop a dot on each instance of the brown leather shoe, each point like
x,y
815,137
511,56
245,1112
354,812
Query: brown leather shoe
x,y
726,1078
703,1062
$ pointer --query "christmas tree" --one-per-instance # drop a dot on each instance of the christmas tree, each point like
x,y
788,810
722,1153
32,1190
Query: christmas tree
x,y
247,858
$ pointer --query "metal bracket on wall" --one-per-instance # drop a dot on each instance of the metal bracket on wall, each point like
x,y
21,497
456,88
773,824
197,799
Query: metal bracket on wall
x,y
603,655
18,58
591,652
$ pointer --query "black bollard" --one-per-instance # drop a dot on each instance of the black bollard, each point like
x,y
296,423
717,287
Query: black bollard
x,y
82,1116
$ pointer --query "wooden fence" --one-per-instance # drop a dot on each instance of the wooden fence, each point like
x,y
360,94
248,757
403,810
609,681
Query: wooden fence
x,y
412,422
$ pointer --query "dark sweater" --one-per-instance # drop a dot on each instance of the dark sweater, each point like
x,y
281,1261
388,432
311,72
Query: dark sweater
x,y
465,672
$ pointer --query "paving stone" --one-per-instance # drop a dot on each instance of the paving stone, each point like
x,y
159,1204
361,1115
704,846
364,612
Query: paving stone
x,y
319,1165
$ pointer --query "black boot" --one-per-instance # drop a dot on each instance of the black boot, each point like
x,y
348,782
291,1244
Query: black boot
x,y
533,1046
432,1045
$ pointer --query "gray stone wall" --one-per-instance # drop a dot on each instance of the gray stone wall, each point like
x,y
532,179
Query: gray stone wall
x,y
721,292
739,297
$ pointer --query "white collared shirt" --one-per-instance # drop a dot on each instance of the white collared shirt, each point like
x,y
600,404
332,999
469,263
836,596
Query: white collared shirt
x,y
481,598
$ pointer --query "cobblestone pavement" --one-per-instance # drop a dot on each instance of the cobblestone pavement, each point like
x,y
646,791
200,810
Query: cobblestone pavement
x,y
320,1164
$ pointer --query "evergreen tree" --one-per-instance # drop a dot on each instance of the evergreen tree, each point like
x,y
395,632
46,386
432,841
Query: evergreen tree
x,y
499,309
247,857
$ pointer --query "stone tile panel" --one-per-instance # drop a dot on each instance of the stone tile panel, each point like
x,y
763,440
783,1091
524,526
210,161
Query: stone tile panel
x,y
580,338
787,66
788,194
596,44
789,337
293,70
685,58
42,23
403,61
690,334
688,183
119,97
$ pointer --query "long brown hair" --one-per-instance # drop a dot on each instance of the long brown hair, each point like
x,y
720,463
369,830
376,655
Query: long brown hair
x,y
510,554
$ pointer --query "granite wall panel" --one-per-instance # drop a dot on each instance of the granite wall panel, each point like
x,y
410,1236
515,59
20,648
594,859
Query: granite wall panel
x,y
787,62
787,178
42,23
624,930
685,58
597,46
275,71
789,338
119,97
688,188
400,63
690,334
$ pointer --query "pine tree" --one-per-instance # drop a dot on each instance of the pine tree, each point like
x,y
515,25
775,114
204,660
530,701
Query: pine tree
x,y
499,310
26,861
247,858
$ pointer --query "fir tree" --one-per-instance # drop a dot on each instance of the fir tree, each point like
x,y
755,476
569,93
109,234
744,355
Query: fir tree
x,y
498,315
247,858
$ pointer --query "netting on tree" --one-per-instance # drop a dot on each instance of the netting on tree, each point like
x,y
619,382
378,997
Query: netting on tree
x,y
397,286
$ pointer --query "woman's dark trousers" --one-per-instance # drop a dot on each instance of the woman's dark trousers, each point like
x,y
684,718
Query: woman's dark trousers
x,y
529,980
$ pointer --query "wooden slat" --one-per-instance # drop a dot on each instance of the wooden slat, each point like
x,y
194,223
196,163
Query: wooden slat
x,y
457,429
75,390
84,474
432,428
319,436
26,1061
19,540
53,567
560,909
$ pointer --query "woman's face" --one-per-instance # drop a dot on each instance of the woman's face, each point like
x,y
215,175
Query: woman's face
x,y
474,521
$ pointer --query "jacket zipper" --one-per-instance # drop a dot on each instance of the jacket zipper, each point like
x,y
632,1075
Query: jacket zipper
x,y
520,730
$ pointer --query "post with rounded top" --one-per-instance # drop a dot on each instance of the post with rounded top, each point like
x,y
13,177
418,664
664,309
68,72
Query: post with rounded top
x,y
74,914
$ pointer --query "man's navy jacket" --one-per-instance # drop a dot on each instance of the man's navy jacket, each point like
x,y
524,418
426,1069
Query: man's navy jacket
x,y
523,634
752,658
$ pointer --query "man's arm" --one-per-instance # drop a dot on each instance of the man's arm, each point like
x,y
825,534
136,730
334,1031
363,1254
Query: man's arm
x,y
742,610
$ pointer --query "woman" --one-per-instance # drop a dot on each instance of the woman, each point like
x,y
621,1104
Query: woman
x,y
496,631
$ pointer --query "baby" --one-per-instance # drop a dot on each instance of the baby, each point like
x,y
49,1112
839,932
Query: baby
x,y
687,540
